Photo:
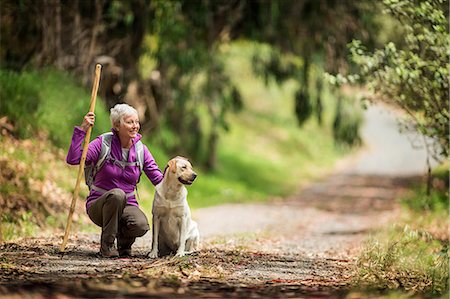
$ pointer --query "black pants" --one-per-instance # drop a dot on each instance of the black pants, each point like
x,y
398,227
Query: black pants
x,y
117,219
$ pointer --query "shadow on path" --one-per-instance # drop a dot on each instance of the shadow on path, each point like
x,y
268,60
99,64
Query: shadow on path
x,y
303,246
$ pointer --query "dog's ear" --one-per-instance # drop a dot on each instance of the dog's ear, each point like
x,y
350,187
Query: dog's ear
x,y
165,169
172,164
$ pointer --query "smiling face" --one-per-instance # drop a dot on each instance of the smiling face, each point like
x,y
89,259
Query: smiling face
x,y
128,127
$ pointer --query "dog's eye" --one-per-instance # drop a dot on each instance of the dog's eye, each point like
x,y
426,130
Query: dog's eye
x,y
183,167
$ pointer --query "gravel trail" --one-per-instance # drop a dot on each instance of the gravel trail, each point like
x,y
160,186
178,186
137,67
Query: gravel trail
x,y
303,246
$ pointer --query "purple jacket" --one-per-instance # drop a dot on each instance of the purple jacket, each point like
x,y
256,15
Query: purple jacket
x,y
110,175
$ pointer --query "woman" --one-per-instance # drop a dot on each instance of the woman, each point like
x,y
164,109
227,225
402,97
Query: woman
x,y
111,203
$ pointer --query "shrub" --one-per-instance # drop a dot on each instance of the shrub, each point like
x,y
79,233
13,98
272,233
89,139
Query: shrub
x,y
413,76
20,100
47,101
347,123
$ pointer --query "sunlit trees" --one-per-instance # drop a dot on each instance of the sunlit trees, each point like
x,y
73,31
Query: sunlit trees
x,y
415,76
185,91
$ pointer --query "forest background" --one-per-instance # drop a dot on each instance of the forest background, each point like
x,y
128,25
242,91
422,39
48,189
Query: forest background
x,y
245,89
198,72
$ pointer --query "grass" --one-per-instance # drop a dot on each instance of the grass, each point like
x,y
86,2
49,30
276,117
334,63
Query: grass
x,y
64,106
49,102
21,226
407,259
412,255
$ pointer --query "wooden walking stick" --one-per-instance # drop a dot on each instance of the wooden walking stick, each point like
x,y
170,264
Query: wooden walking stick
x,y
98,70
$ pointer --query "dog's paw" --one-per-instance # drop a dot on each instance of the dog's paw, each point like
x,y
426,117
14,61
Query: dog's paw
x,y
180,254
152,255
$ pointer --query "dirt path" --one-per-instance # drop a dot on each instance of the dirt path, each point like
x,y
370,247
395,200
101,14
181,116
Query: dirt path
x,y
304,246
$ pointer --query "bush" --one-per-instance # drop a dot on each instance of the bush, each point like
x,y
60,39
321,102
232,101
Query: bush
x,y
63,106
49,101
347,123
436,201
20,100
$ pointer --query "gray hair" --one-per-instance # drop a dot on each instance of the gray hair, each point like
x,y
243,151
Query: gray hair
x,y
119,111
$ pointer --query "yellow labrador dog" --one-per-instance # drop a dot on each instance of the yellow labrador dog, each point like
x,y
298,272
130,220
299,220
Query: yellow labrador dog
x,y
173,229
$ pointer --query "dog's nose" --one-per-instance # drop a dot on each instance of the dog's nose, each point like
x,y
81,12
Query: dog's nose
x,y
194,175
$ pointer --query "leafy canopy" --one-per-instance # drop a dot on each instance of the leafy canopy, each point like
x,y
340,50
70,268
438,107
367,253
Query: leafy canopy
x,y
415,77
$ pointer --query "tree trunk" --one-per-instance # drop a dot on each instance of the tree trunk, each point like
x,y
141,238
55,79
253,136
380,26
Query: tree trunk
x,y
47,31
211,161
134,47
151,107
319,104
58,48
76,35
93,42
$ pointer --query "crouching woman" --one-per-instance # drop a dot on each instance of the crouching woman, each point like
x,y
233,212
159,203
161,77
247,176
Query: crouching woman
x,y
111,203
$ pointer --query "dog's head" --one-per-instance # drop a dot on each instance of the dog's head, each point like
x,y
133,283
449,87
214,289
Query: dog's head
x,y
181,168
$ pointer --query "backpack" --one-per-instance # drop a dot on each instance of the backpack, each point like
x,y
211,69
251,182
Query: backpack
x,y
91,170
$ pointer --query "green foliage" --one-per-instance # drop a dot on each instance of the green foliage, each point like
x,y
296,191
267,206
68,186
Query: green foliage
x,y
20,99
188,40
438,198
271,64
48,101
415,77
28,165
120,12
64,106
436,201
347,122
413,255
256,154
303,106
264,142
181,41
274,66
198,94
263,154
12,226
307,28
404,259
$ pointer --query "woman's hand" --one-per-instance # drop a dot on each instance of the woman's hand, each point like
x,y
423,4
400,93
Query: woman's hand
x,y
88,121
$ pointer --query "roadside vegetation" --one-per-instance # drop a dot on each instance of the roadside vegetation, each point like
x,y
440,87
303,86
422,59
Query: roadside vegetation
x,y
412,255
257,121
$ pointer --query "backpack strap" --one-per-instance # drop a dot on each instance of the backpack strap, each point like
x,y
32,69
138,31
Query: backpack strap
x,y
105,154
139,158
90,171
106,149
140,154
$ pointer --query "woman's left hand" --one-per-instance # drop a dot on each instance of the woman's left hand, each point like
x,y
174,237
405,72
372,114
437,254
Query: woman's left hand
x,y
88,121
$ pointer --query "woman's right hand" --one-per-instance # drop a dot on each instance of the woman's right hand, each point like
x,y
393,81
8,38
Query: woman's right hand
x,y
88,121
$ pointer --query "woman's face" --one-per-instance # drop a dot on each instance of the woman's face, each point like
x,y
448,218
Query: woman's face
x,y
129,127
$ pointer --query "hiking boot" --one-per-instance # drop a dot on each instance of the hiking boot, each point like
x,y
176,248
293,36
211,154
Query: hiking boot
x,y
124,245
125,252
108,251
